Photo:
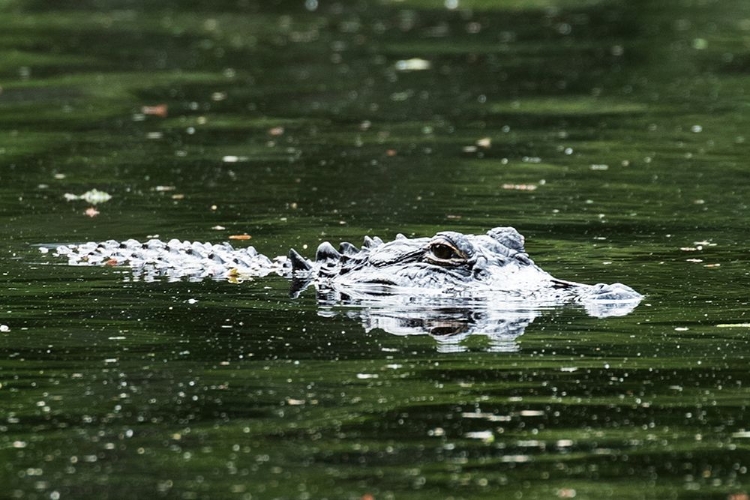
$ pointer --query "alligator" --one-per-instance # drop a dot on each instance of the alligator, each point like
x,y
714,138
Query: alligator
x,y
492,267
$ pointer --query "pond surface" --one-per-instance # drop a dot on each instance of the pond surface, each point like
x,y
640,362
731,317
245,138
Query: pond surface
x,y
613,135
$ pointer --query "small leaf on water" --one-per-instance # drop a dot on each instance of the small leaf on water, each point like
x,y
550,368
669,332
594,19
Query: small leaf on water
x,y
159,110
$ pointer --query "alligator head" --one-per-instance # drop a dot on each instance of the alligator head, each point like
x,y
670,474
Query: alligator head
x,y
450,264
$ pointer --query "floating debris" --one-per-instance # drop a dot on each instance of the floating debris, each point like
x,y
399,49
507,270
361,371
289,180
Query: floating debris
x,y
276,131
520,187
91,212
161,189
244,236
4,328
531,413
159,110
413,64
487,416
93,196
486,436
484,142
531,159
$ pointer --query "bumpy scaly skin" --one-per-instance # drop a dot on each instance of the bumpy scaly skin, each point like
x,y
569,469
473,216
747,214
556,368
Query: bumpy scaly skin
x,y
491,266
173,259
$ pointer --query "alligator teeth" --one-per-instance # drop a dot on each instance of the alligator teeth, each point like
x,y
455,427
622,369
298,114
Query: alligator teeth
x,y
326,253
347,248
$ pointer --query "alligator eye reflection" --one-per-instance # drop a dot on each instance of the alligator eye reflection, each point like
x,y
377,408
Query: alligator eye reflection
x,y
444,252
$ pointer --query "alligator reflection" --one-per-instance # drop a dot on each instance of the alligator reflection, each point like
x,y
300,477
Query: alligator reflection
x,y
452,321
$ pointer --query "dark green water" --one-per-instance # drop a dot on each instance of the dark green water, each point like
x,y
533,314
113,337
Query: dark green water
x,y
612,134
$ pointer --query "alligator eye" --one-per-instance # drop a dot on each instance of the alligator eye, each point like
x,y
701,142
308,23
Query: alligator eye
x,y
444,252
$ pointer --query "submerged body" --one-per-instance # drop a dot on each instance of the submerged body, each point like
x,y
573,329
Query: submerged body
x,y
492,266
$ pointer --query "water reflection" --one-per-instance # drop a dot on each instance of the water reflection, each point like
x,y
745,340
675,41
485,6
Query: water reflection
x,y
450,326
452,321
